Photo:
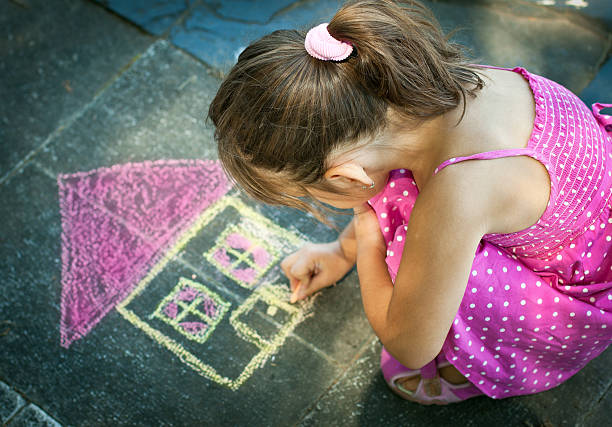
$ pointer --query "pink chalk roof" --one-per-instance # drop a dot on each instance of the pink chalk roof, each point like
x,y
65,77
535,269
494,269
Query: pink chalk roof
x,y
117,222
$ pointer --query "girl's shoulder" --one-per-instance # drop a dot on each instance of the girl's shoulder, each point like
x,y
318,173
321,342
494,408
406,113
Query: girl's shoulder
x,y
507,194
502,115
487,162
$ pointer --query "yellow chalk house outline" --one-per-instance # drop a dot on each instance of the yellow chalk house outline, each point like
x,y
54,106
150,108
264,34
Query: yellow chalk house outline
x,y
275,296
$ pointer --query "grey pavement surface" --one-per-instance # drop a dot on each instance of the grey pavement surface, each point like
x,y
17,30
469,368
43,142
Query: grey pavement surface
x,y
89,84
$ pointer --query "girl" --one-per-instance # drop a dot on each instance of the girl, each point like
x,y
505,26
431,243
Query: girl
x,y
481,196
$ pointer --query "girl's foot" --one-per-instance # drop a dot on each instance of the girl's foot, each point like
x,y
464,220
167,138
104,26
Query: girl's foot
x,y
438,382
449,373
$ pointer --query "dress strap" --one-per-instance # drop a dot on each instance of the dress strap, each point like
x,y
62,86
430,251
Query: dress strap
x,y
487,155
604,119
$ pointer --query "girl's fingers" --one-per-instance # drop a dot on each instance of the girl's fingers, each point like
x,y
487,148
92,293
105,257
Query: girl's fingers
x,y
309,270
293,283
296,268
320,279
295,293
287,263
288,266
302,269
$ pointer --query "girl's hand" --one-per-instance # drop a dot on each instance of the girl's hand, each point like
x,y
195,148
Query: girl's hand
x,y
315,266
367,231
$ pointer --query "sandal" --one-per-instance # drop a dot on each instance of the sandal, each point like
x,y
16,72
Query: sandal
x,y
432,389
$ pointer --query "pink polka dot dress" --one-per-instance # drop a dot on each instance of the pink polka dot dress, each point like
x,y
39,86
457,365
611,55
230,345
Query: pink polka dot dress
x,y
538,304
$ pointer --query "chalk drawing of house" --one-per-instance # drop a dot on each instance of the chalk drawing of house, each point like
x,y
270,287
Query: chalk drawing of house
x,y
239,301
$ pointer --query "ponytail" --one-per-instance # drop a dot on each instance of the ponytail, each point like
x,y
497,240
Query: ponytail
x,y
403,56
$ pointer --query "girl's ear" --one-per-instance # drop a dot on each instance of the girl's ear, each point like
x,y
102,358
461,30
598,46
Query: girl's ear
x,y
351,172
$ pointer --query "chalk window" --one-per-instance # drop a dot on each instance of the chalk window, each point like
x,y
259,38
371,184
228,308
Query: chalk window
x,y
242,256
192,309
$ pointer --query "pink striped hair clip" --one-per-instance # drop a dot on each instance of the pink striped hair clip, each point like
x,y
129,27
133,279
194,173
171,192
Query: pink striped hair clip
x,y
321,45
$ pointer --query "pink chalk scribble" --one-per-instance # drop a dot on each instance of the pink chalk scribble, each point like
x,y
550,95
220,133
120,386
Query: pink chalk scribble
x,y
188,294
245,274
261,256
209,307
238,241
171,310
222,258
194,328
117,222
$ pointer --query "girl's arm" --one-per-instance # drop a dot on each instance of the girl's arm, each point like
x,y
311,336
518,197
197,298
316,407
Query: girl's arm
x,y
413,317
348,242
375,282
452,213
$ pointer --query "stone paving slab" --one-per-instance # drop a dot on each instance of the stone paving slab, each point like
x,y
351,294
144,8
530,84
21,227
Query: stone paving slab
x,y
338,326
499,32
143,383
157,110
248,11
32,416
10,402
598,9
600,414
563,47
47,74
30,265
361,398
217,36
600,89
155,16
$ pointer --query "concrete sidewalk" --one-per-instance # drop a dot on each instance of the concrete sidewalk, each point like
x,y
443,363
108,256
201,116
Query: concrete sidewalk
x,y
120,90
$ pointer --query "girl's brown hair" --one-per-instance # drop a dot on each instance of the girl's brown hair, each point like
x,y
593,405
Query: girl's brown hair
x,y
280,112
